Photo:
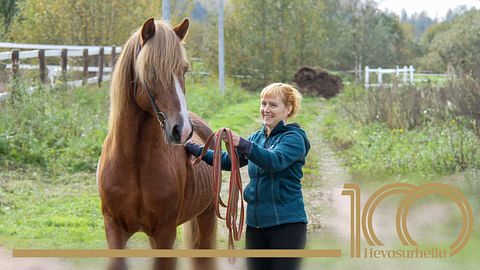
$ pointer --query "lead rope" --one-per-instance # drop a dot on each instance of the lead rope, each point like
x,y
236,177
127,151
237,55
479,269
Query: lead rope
x,y
235,191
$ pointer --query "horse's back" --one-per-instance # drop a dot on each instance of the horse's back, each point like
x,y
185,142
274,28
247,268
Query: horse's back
x,y
201,129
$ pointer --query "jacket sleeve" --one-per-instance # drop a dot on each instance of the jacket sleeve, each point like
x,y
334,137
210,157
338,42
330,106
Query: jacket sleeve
x,y
226,162
289,149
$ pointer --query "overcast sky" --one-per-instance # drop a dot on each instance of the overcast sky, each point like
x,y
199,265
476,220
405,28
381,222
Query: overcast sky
x,y
434,8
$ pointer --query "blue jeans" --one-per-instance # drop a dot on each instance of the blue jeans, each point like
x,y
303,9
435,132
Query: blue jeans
x,y
285,236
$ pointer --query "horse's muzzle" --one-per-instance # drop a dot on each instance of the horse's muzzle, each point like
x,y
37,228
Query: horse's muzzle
x,y
180,133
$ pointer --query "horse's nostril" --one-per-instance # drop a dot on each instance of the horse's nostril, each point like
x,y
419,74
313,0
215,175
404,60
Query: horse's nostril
x,y
177,133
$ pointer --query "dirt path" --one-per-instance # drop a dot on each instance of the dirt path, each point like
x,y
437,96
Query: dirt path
x,y
7,262
329,215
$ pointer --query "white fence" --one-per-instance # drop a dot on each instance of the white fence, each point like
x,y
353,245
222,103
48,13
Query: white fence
x,y
403,76
53,72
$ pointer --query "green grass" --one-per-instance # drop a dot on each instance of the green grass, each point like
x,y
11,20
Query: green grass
x,y
38,213
308,118
429,79
205,99
50,142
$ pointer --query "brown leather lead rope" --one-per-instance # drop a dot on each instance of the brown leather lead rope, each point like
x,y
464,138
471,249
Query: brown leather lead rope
x,y
235,191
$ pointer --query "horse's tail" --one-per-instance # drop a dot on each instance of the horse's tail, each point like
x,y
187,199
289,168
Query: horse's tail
x,y
202,129
190,234
201,233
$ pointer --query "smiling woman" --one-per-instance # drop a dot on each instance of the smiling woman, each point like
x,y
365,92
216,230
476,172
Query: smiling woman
x,y
275,156
279,102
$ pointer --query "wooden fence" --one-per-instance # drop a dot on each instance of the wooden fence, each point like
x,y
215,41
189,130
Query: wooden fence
x,y
52,72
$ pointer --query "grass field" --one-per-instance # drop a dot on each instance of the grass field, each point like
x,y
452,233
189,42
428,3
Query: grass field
x,y
48,194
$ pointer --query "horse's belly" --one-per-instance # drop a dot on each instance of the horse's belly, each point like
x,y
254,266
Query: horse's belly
x,y
198,194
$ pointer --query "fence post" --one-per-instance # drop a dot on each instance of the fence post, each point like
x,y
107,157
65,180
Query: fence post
x,y
395,78
380,77
405,70
101,60
366,76
85,66
41,64
412,70
64,64
15,63
112,57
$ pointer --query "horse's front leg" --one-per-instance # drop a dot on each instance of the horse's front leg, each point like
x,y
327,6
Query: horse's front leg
x,y
163,237
117,239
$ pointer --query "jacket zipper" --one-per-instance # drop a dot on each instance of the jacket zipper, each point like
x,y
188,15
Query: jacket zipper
x,y
256,187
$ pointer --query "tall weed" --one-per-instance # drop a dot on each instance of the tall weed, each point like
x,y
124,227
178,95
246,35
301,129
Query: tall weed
x,y
58,130
411,106
432,129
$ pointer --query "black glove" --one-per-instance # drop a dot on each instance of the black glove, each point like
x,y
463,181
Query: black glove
x,y
193,148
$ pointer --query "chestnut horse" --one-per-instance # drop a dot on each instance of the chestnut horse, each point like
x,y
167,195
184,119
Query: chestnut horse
x,y
146,181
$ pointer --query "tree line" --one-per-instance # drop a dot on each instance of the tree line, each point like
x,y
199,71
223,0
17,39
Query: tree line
x,y
265,40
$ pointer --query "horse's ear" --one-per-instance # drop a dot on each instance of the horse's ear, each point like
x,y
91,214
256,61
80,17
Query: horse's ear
x,y
182,29
148,30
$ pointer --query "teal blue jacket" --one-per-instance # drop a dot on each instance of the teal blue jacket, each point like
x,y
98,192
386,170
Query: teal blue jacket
x,y
274,193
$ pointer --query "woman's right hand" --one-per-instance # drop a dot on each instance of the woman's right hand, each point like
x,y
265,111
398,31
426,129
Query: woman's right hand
x,y
193,148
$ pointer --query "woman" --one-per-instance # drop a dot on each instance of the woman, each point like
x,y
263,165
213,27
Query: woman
x,y
275,155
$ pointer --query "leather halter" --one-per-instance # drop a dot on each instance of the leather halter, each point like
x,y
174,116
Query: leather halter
x,y
161,116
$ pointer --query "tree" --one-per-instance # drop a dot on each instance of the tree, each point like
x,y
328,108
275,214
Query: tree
x,y
369,37
86,22
404,16
451,14
421,21
455,44
8,8
267,41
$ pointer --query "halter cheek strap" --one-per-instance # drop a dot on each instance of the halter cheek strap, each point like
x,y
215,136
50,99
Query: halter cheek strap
x,y
161,116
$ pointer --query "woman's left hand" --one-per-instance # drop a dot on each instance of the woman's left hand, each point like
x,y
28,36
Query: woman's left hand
x,y
235,137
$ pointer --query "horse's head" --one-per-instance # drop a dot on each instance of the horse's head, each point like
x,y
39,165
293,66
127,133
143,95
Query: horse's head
x,y
160,66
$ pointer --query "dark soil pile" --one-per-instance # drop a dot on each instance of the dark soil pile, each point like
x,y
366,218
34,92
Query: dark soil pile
x,y
314,80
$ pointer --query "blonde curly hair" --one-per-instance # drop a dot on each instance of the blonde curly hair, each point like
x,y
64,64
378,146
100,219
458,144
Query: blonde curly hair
x,y
287,93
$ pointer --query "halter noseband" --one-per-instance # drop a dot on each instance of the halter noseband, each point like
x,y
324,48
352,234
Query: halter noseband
x,y
158,113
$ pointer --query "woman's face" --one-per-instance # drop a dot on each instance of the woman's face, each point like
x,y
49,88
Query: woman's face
x,y
273,110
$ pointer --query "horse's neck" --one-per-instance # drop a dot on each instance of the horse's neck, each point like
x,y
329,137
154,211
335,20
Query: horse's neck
x,y
130,131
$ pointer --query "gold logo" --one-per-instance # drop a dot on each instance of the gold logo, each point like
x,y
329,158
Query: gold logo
x,y
412,193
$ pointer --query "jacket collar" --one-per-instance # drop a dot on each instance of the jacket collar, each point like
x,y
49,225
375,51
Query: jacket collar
x,y
280,127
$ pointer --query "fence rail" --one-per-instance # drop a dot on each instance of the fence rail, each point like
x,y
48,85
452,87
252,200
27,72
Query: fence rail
x,y
52,72
408,75
9,45
403,76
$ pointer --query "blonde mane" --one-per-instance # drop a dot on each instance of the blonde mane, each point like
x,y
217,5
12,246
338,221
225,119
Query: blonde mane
x,y
160,58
